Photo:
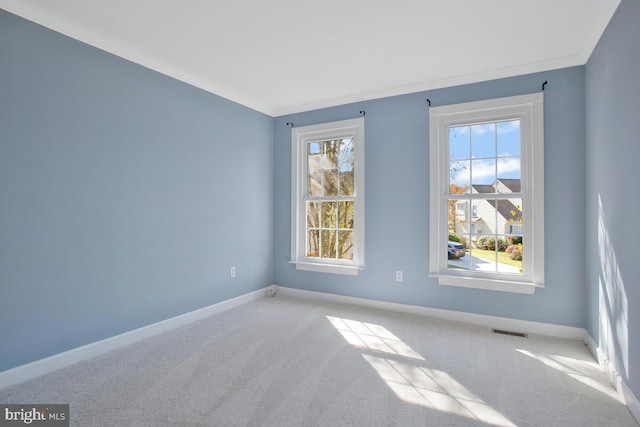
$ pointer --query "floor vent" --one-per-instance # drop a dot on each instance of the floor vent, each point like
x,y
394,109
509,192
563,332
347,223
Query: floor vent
x,y
513,334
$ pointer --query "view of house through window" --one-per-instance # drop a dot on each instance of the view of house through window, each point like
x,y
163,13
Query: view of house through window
x,y
484,216
330,199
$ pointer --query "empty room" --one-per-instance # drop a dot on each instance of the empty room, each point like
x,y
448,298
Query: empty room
x,y
410,213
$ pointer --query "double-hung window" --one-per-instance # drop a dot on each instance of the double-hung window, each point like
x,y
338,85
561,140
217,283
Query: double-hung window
x,y
486,159
327,197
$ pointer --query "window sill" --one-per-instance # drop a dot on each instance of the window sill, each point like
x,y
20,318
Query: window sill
x,y
348,270
488,284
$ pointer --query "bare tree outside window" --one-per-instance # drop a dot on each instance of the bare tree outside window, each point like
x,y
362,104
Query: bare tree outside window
x,y
330,213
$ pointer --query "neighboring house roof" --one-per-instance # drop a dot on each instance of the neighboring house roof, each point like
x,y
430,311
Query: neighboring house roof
x,y
507,209
484,188
511,184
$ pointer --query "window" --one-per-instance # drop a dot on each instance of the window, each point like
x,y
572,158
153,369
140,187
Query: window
x,y
514,229
327,197
488,155
476,229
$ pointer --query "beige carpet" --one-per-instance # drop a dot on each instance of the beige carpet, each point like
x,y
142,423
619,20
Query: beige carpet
x,y
289,362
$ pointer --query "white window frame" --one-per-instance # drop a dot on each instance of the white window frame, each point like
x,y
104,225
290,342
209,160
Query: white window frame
x,y
300,136
529,110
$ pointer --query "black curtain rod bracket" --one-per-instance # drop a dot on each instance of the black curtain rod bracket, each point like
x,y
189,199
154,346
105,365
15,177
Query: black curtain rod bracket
x,y
290,124
363,113
429,102
544,84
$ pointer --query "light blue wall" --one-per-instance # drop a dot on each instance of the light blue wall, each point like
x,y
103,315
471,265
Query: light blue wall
x,y
397,194
613,205
125,195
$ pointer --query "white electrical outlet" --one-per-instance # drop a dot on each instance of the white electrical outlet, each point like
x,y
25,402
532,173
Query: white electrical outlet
x,y
232,271
398,276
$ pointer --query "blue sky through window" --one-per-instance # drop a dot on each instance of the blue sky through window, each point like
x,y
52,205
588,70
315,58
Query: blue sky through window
x,y
479,154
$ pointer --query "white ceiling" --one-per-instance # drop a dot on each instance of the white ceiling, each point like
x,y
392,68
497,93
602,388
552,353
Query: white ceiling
x,y
285,56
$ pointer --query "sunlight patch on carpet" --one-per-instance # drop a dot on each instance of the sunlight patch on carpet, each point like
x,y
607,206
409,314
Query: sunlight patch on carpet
x,y
412,382
373,337
575,369
434,389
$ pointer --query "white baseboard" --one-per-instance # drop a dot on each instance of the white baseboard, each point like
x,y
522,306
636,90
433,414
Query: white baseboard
x,y
525,326
609,368
43,366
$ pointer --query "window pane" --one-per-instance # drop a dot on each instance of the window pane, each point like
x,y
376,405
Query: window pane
x,y
346,159
509,256
509,138
514,252
328,243
314,186
330,186
345,214
345,167
477,221
462,227
483,140
459,176
331,149
513,217
313,215
459,143
456,213
313,243
346,183
314,148
484,255
329,214
509,168
490,211
345,245
514,229
314,161
483,172
461,210
457,251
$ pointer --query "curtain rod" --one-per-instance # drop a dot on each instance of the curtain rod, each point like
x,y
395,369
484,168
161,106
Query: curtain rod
x,y
544,84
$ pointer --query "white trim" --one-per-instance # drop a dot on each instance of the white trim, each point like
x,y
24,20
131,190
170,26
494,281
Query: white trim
x,y
529,110
525,326
630,399
488,284
624,392
57,361
326,268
